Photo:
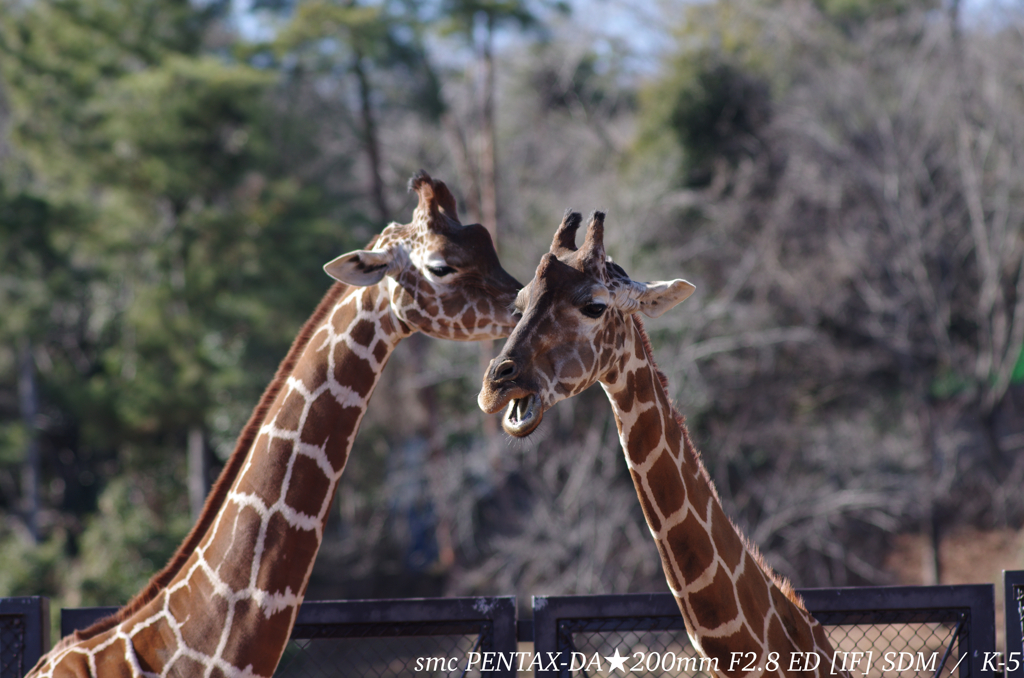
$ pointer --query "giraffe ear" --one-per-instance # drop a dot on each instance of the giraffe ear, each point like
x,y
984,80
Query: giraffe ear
x,y
361,268
662,295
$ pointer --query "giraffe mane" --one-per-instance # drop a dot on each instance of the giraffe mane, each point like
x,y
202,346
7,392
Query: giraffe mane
x,y
781,582
215,500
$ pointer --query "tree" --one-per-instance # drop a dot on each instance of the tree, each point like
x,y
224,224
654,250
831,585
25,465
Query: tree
x,y
161,238
871,225
333,40
928,229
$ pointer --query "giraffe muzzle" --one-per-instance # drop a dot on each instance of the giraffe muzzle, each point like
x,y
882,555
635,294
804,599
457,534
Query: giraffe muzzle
x,y
523,416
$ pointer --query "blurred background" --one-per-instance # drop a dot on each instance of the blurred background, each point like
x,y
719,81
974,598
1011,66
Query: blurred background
x,y
843,180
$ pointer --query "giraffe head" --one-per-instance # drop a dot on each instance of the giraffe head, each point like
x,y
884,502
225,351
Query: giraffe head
x,y
442,278
576,316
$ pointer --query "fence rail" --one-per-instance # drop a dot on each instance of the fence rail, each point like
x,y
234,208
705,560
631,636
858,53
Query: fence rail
x,y
910,632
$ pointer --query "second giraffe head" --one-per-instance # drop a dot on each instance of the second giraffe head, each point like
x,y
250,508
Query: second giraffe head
x,y
575,330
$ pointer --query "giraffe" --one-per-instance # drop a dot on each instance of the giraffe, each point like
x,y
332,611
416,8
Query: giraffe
x,y
579,325
226,602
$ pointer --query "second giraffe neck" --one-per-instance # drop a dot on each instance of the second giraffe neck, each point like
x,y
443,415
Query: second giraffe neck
x,y
732,605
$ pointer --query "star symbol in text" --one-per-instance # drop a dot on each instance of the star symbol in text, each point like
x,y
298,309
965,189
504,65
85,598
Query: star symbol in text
x,y
617,661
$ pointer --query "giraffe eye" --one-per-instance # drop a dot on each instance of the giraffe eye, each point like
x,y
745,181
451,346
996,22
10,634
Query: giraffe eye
x,y
441,271
594,309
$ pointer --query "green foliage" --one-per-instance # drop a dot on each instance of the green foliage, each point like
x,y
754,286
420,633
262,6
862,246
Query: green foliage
x,y
850,14
32,569
462,15
1017,376
36,268
715,95
363,29
161,238
378,43
183,130
141,519
717,115
62,53
948,384
13,440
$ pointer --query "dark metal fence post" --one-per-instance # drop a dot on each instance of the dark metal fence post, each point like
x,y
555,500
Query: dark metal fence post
x,y
24,634
545,639
1013,581
506,632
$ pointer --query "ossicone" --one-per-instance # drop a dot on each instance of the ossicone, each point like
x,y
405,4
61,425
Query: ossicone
x,y
565,236
593,246
436,206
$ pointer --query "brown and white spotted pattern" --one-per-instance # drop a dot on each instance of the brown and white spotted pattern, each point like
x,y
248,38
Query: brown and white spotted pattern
x,y
579,326
226,603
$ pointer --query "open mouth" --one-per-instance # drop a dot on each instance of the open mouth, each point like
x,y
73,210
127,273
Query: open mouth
x,y
522,416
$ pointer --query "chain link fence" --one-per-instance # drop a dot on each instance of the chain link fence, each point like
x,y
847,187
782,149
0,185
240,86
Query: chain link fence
x,y
24,633
912,632
898,642
653,646
12,647
872,644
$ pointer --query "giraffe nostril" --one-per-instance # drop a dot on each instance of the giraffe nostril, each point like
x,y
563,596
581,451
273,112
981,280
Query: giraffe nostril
x,y
505,370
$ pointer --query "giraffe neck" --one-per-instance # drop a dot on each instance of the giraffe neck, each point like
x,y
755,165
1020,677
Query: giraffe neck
x,y
230,607
732,603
